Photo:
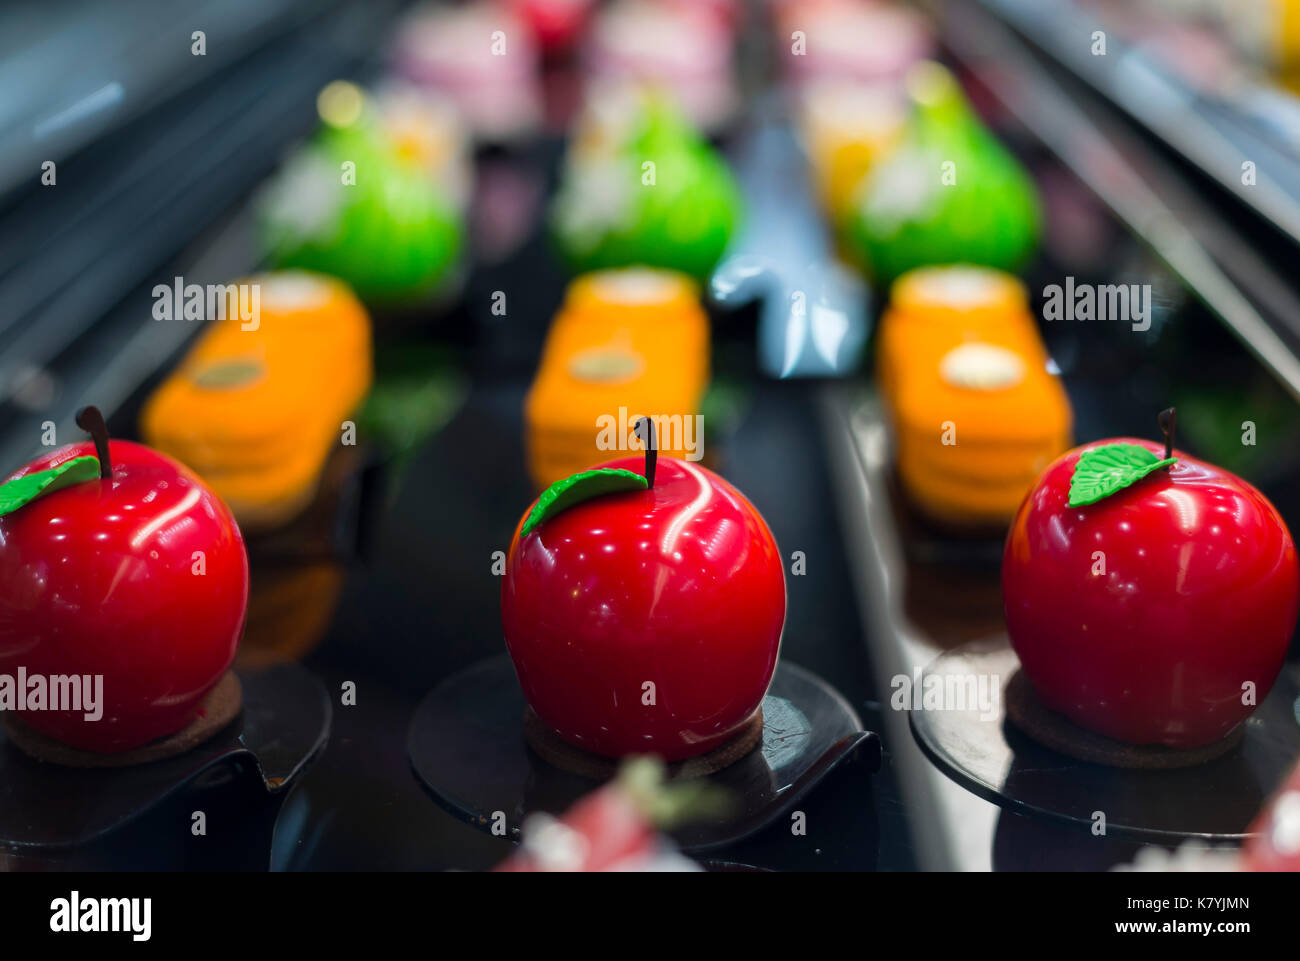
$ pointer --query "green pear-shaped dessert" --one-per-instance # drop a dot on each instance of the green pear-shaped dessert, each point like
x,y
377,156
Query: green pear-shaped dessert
x,y
641,187
948,193
351,204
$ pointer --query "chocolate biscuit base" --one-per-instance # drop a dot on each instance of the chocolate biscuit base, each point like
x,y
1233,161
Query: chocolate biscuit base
x,y
555,750
1059,733
219,708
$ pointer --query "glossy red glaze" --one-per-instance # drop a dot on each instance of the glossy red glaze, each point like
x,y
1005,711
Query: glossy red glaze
x,y
98,578
681,585
1198,596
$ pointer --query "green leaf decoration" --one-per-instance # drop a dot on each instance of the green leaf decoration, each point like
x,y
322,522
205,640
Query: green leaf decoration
x,y
23,490
669,804
579,487
1102,471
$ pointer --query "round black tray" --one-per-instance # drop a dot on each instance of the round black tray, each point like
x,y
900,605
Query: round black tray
x,y
284,723
467,748
1215,801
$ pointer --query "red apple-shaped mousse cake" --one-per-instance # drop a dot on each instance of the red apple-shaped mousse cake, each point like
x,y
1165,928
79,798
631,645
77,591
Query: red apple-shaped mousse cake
x,y
643,608
1150,596
117,561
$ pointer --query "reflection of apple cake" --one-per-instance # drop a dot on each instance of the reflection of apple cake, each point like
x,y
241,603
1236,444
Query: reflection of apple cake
x,y
626,343
977,410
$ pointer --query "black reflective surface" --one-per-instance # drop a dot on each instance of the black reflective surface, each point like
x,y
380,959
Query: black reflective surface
x,y
284,723
1215,801
427,606
467,747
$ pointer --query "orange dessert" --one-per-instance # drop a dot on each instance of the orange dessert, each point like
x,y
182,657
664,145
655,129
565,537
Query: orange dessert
x,y
257,405
626,343
977,411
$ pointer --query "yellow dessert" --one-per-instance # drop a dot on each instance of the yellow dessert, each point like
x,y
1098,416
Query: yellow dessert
x,y
846,127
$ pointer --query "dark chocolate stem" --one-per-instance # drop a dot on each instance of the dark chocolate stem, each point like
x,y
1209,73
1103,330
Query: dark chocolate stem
x,y
651,450
1166,420
91,421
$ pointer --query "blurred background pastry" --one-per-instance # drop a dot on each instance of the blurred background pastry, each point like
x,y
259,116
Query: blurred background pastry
x,y
976,412
362,200
256,410
626,343
483,57
640,186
